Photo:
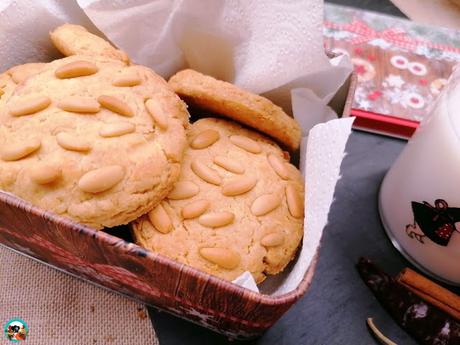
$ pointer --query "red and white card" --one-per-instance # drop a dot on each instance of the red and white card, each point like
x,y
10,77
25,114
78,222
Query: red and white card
x,y
401,66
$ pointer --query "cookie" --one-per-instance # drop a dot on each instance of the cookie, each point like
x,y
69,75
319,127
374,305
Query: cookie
x,y
21,72
15,76
237,104
93,139
7,86
238,205
72,39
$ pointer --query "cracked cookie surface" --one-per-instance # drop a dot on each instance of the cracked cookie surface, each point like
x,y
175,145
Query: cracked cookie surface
x,y
91,138
238,205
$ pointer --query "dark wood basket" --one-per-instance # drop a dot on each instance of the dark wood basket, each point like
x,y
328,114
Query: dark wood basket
x,y
126,268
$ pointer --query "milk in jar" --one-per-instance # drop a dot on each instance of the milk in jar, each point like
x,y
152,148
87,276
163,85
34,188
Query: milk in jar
x,y
420,195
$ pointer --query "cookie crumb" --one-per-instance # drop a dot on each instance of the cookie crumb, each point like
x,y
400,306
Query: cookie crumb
x,y
141,313
109,339
92,308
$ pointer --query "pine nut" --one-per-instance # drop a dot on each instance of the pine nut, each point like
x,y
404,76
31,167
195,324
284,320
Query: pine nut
x,y
216,219
21,72
116,105
229,164
76,104
278,165
294,201
30,106
205,139
72,143
160,219
205,173
223,257
45,173
246,143
127,79
157,113
239,185
101,179
14,152
195,209
265,204
116,129
272,240
76,69
183,190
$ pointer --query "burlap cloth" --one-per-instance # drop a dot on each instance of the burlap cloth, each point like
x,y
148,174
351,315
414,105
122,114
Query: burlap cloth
x,y
60,309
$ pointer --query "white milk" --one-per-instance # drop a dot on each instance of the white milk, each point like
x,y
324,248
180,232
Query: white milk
x,y
428,169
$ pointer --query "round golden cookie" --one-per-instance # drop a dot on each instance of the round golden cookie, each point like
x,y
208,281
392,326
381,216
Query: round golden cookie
x,y
71,39
93,139
238,205
243,106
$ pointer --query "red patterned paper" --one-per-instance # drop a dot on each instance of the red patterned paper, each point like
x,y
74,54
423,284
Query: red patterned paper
x,y
401,66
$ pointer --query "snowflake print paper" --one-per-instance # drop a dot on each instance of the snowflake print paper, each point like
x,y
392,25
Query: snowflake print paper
x,y
401,65
393,81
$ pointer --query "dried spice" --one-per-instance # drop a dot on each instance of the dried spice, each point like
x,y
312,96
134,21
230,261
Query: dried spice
x,y
431,292
426,323
378,334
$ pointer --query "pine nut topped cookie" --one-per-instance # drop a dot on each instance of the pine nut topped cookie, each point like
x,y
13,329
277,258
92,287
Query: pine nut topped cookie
x,y
237,104
238,205
91,138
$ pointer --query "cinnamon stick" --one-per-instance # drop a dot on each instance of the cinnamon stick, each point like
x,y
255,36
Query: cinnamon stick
x,y
428,324
430,292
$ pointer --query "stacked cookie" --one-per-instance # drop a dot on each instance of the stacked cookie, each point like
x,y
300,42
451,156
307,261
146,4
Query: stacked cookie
x,y
90,136
105,142
238,205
